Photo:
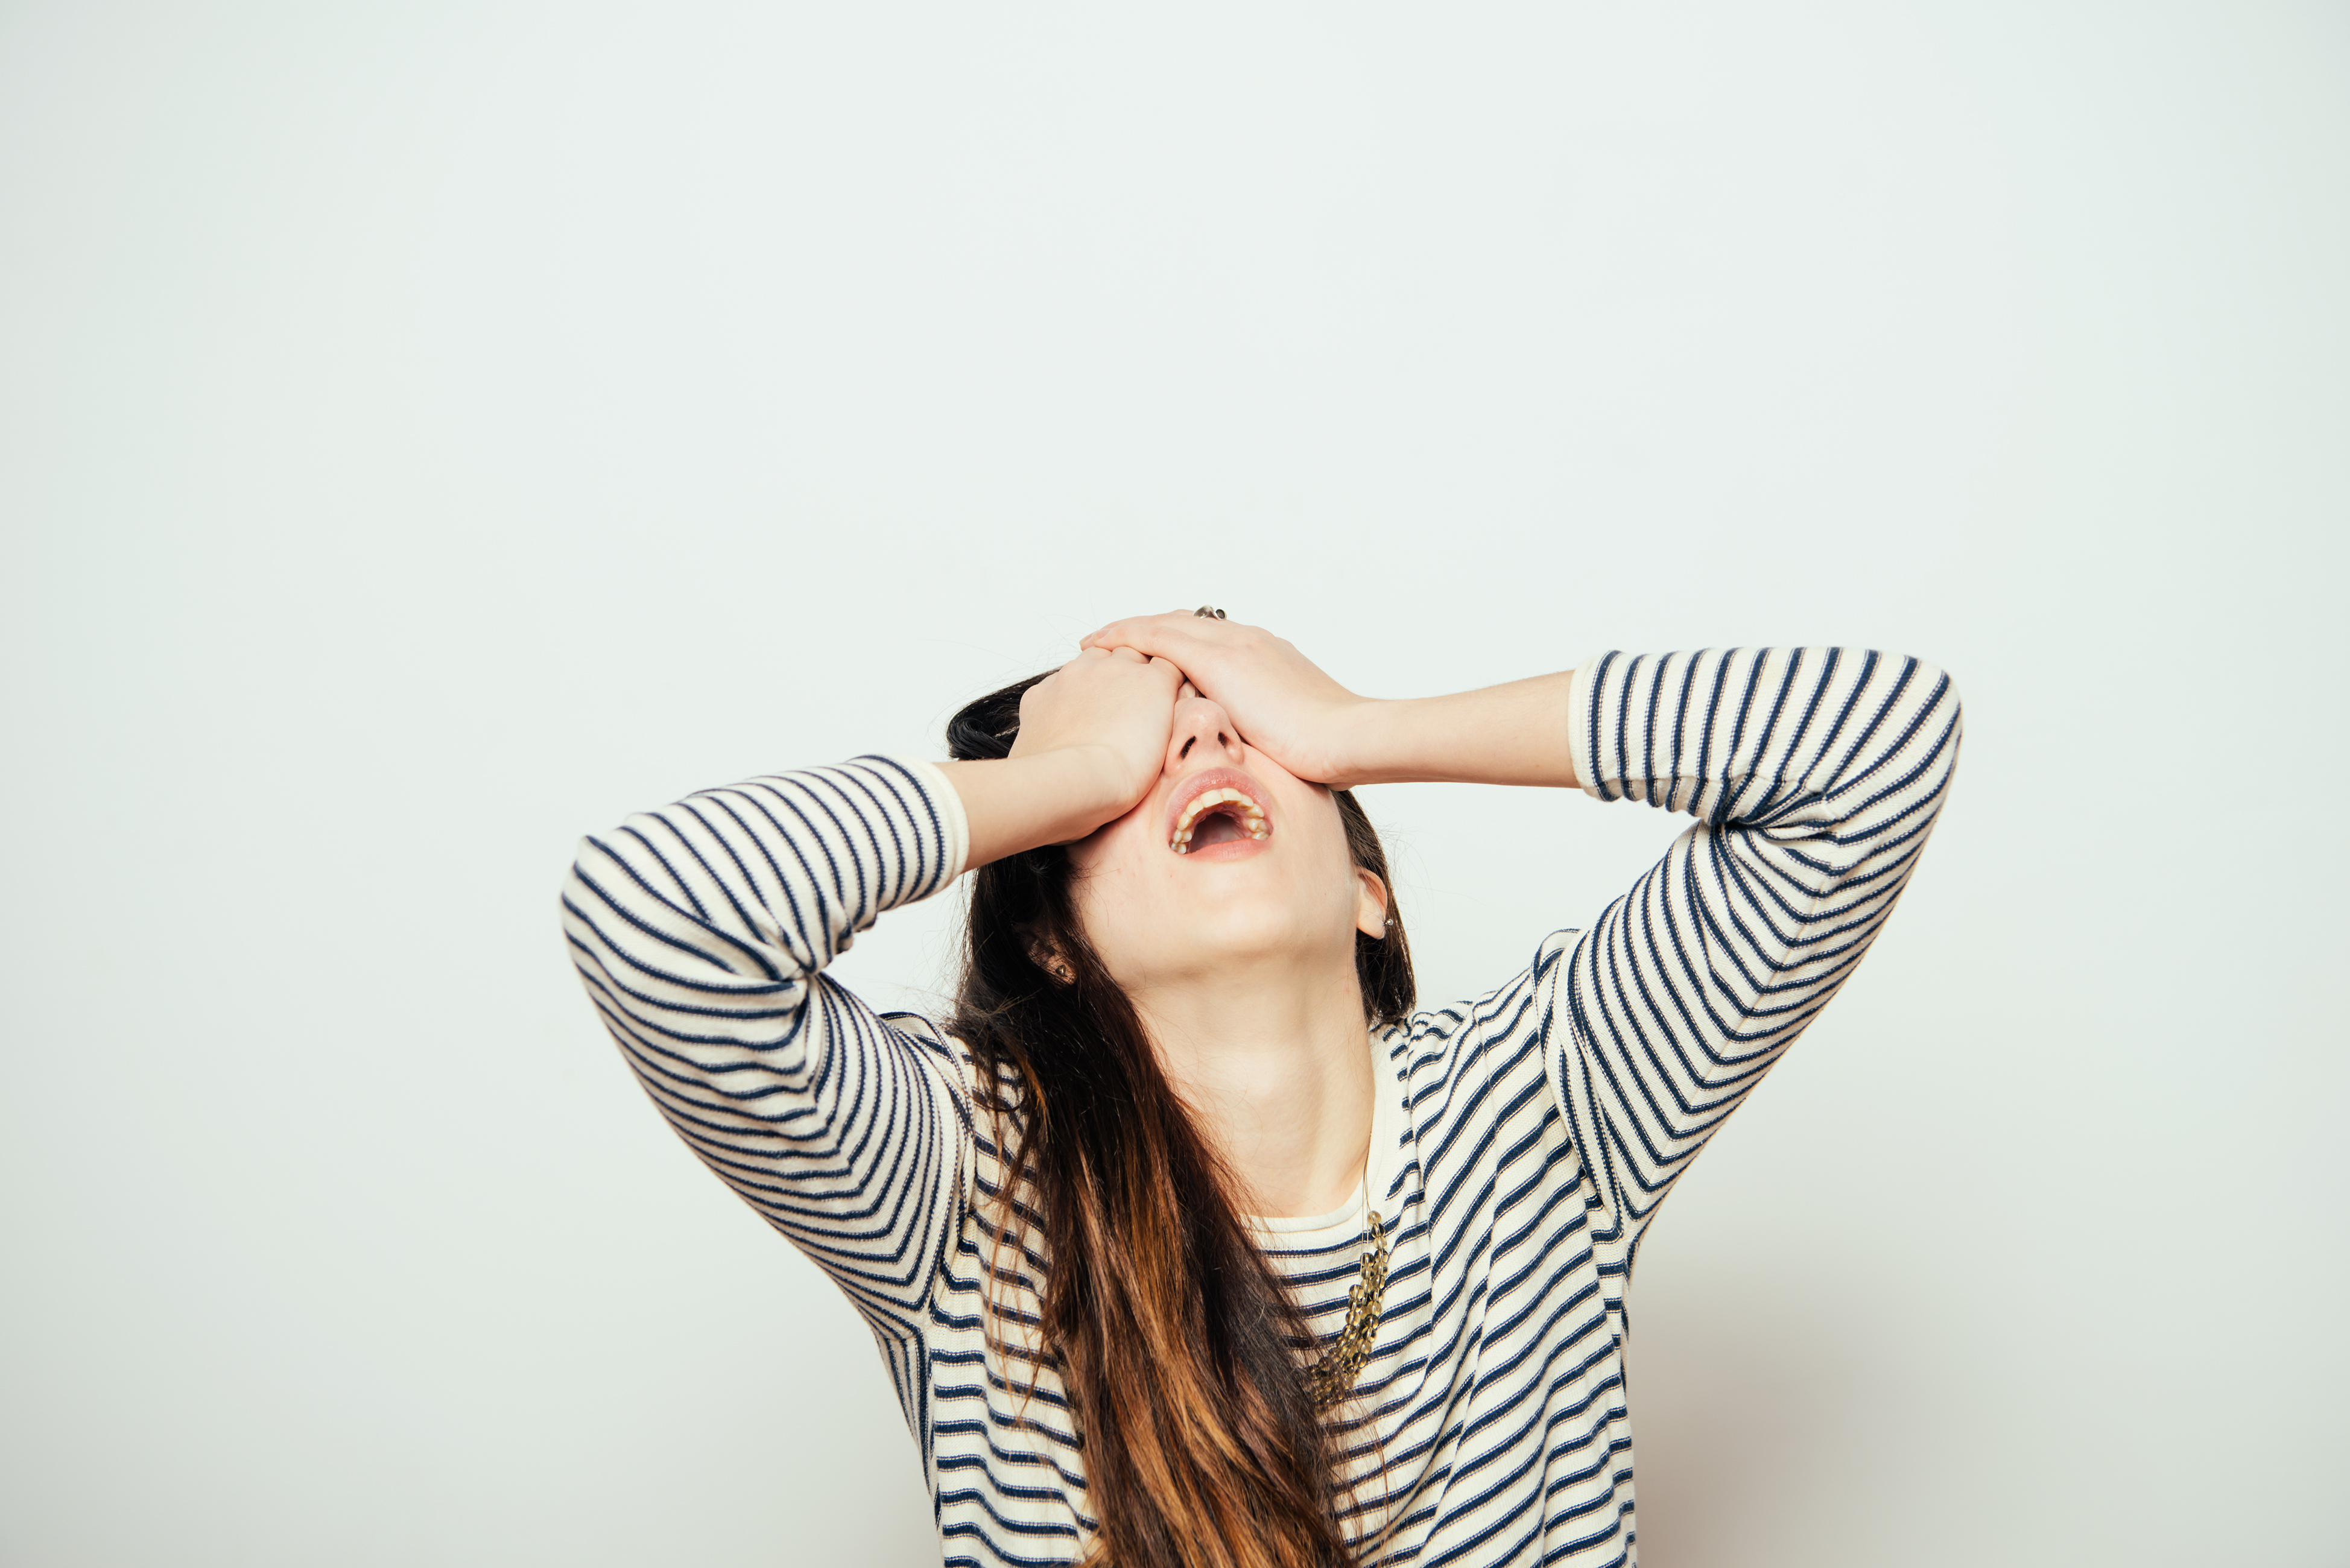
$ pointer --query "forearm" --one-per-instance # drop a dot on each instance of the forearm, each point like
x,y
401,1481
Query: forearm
x,y
1511,734
1022,802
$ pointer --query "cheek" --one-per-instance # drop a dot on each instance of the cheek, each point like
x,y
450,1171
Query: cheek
x,y
1116,850
1116,892
1322,861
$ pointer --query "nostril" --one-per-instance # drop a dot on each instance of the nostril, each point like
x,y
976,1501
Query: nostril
x,y
1187,748
1223,738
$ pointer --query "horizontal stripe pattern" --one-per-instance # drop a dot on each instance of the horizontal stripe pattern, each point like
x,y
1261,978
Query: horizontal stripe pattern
x,y
702,932
1816,774
1539,1126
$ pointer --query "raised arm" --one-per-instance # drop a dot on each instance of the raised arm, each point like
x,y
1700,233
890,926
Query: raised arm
x,y
1815,775
701,930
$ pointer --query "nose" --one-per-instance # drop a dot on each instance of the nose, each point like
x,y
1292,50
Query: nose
x,y
1203,736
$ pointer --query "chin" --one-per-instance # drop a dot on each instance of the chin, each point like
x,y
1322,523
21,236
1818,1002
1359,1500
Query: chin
x,y
1241,933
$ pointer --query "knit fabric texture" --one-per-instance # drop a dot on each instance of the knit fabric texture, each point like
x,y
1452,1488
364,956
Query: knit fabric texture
x,y
1523,1141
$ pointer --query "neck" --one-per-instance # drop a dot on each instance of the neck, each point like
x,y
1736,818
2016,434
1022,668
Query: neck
x,y
1275,1064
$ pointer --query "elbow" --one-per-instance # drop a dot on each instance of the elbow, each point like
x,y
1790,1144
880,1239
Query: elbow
x,y
1945,690
583,888
1940,727
576,875
1945,704
1931,697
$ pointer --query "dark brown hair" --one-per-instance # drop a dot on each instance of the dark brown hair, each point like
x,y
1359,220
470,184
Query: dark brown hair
x,y
1176,1342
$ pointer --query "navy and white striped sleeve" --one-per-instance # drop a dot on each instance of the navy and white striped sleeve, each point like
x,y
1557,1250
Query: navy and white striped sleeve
x,y
1815,775
702,929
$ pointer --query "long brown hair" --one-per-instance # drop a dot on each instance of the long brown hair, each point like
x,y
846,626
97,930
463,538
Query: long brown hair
x,y
1176,1342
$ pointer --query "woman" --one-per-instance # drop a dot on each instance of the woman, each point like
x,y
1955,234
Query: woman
x,y
1187,1239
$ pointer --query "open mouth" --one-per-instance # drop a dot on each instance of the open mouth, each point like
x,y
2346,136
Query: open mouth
x,y
1222,815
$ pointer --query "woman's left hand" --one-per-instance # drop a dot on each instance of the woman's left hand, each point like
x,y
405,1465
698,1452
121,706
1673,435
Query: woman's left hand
x,y
1284,705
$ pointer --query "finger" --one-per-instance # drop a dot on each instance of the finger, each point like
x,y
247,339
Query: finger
x,y
1158,634
1122,629
1101,636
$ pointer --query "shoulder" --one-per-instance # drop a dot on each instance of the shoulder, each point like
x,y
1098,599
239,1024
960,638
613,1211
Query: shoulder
x,y
1458,1056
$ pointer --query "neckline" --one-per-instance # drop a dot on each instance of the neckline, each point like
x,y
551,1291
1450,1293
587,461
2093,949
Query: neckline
x,y
1386,1156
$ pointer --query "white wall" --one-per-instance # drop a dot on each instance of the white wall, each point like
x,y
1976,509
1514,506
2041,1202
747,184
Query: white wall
x,y
430,432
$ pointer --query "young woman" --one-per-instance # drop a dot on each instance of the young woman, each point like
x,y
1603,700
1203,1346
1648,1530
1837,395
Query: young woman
x,y
1187,1239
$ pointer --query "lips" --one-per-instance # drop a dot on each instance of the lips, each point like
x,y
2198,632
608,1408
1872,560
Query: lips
x,y
1203,797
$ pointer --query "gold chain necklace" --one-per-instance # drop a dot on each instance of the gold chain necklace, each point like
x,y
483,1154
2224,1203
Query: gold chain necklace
x,y
1332,1378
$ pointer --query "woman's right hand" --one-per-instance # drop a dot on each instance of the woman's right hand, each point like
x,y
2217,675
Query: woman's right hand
x,y
1093,742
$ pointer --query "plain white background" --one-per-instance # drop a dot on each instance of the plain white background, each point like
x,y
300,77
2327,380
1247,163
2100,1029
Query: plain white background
x,y
431,431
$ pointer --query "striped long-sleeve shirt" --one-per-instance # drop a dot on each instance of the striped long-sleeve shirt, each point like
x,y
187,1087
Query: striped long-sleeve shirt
x,y
1521,1139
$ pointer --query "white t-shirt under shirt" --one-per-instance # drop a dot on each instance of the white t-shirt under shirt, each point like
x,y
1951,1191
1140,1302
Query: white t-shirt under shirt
x,y
1344,1225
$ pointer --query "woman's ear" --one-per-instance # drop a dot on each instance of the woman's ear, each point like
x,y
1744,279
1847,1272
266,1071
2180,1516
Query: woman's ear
x,y
1370,904
1045,956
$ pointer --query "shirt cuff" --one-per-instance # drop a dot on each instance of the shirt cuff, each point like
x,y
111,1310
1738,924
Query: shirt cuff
x,y
947,802
1579,698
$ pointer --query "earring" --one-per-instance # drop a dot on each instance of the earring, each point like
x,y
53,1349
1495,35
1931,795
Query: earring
x,y
1059,970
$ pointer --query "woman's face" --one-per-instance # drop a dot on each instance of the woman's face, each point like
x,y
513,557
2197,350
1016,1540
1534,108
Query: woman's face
x,y
1230,865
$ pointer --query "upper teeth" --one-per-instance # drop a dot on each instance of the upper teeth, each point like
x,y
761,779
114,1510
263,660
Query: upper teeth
x,y
1252,816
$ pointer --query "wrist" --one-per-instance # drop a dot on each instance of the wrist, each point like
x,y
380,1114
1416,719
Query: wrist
x,y
1359,732
1089,786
